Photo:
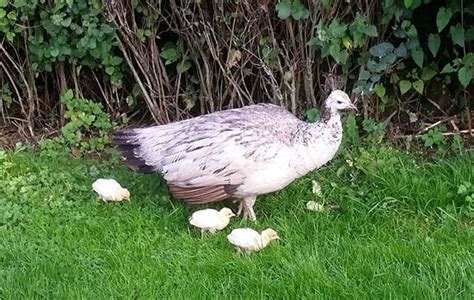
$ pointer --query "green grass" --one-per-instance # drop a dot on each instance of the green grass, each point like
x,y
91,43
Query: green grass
x,y
401,233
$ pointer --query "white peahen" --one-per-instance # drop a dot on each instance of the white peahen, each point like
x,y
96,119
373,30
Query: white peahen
x,y
237,153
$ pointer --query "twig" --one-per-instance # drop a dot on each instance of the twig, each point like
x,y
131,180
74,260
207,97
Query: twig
x,y
465,131
434,125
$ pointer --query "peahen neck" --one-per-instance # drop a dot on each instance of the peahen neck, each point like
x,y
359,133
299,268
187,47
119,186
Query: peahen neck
x,y
326,114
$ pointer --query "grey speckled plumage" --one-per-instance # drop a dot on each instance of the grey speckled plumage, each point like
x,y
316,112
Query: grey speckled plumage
x,y
239,153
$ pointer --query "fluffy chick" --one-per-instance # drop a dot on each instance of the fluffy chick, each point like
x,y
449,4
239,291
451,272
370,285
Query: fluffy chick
x,y
211,220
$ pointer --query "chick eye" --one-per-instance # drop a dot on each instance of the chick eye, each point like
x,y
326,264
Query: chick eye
x,y
339,102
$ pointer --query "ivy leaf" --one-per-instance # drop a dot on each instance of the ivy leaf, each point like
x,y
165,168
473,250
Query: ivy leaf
x,y
447,69
299,11
313,42
371,30
338,55
389,58
418,86
379,90
66,22
312,115
381,49
469,36
67,96
10,36
401,50
3,13
468,59
427,73
109,70
336,29
54,52
400,33
170,53
405,86
19,3
116,60
433,43
408,3
364,75
3,3
457,34
443,17
417,55
465,76
284,10
183,66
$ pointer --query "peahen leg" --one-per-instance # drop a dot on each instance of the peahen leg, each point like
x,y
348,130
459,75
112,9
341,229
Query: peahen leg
x,y
248,204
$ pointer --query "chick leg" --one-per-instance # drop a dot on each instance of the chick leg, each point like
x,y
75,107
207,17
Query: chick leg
x,y
248,203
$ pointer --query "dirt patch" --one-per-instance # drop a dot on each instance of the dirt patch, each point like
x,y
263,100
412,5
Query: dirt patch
x,y
9,137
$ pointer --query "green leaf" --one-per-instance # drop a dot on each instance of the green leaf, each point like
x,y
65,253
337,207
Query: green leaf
x,y
116,60
405,86
313,42
337,29
389,58
447,69
379,90
401,50
381,49
312,115
66,22
469,35
284,10
443,17
11,15
418,86
433,43
3,13
19,3
371,30
3,3
457,34
338,55
67,96
54,52
417,55
364,75
299,11
465,75
427,73
468,59
171,53
109,70
183,66
10,36
408,3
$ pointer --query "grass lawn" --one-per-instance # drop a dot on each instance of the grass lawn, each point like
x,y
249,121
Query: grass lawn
x,y
401,233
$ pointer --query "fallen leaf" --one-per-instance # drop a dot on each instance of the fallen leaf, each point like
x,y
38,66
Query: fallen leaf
x,y
234,58
315,206
316,188
413,117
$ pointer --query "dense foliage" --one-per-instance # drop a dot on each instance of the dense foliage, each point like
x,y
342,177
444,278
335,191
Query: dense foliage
x,y
409,63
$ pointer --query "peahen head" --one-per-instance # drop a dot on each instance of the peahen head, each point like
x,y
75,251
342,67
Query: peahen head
x,y
337,101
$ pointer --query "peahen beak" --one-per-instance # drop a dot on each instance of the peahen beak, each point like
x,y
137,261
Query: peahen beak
x,y
353,107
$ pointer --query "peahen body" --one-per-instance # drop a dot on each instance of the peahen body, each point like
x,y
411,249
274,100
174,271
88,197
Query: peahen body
x,y
237,153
